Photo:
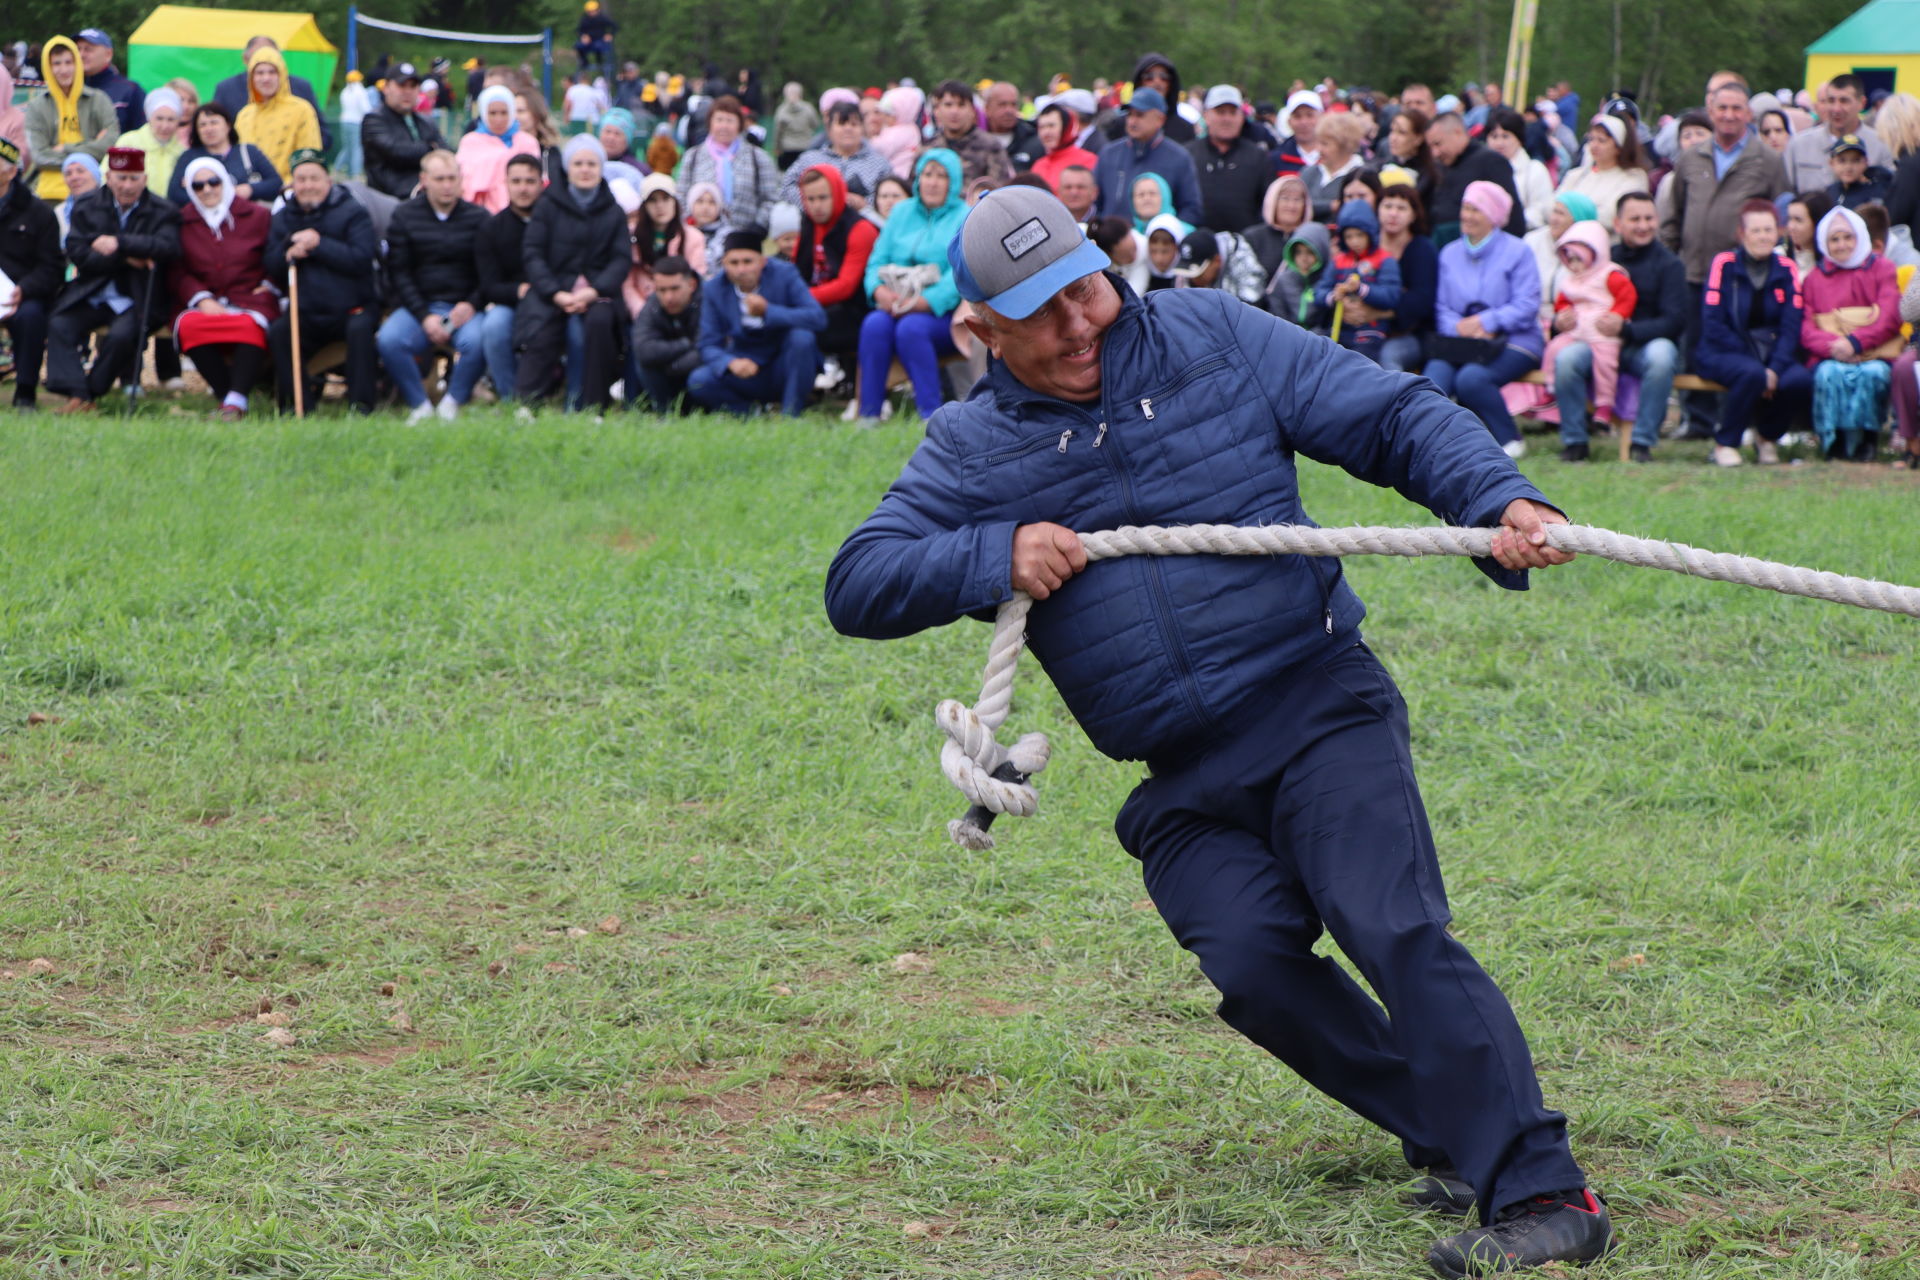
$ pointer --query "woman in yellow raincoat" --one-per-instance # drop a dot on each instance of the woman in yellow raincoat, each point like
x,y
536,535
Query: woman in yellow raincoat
x,y
273,120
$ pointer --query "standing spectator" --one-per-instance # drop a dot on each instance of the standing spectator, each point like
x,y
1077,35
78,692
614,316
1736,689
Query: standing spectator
x,y
666,336
1154,71
395,136
1850,327
276,121
1750,337
594,42
577,252
1059,148
65,119
211,136
31,256
580,102
1459,162
1417,97
1487,328
356,102
1301,146
1146,148
1648,338
899,137
758,332
233,92
160,138
1282,209
957,128
1506,134
1803,216
224,305
501,266
1899,123
745,175
431,242
910,283
13,123
836,244
1339,138
1078,190
1018,138
1233,170
128,98
121,236
327,237
847,150
1614,166
1775,129
1854,182
1840,107
496,138
794,123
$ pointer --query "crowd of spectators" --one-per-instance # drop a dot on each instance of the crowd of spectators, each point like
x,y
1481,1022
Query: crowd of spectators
x,y
676,243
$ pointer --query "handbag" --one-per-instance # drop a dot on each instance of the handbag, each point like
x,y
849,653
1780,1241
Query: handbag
x,y
908,282
1842,321
1456,350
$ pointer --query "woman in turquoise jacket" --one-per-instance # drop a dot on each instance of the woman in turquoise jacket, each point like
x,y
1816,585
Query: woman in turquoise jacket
x,y
911,287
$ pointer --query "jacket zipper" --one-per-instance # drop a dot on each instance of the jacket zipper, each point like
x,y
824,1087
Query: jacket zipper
x,y
1064,437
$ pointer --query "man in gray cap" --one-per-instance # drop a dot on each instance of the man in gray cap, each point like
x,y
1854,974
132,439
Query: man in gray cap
x,y
1281,802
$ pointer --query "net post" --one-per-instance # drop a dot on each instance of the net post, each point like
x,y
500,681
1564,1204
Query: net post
x,y
353,37
546,63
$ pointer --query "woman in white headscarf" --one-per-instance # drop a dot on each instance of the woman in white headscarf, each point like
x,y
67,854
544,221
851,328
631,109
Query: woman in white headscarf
x,y
496,138
219,283
160,137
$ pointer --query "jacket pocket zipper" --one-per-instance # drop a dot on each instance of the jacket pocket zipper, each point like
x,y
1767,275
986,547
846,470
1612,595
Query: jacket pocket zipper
x,y
1064,437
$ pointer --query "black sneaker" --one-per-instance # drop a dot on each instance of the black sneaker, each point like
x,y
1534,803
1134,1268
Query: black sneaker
x,y
1440,1190
1568,1226
1639,453
1573,453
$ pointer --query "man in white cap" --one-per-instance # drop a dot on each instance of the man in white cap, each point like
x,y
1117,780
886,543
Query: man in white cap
x,y
1234,170
1301,116
1281,802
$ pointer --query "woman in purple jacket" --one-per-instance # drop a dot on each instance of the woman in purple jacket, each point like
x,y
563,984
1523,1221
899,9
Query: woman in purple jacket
x,y
1487,314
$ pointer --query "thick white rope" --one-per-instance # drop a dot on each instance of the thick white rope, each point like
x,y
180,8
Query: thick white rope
x,y
997,779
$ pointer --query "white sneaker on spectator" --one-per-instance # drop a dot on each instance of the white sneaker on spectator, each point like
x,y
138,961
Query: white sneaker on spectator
x,y
865,424
1769,453
1515,449
447,409
851,412
523,414
421,412
1725,455
174,384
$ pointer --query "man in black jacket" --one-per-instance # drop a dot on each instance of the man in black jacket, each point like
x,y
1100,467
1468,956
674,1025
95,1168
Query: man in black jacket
x,y
31,258
666,337
324,235
117,239
1020,137
502,272
1461,160
231,93
577,253
436,281
1234,170
396,138
1649,341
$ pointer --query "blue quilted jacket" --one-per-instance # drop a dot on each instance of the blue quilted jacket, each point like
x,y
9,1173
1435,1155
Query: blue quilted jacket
x,y
1204,403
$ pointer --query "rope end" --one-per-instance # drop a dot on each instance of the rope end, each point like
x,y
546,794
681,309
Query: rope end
x,y
969,836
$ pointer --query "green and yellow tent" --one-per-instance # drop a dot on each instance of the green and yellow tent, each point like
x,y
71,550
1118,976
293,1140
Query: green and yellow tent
x,y
204,46
1880,43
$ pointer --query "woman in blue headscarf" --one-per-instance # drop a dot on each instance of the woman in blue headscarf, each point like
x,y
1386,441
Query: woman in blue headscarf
x,y
81,172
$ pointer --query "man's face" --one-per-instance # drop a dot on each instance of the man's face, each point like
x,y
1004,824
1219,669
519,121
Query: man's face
x,y
1446,141
954,115
845,134
7,170
311,184
1077,192
401,95
1303,120
1848,167
1225,122
1494,95
1056,350
1731,116
1144,126
1003,108
1636,223
743,268
523,187
266,79
126,186
94,57
441,178
1156,77
60,67
1842,110
817,197
675,293
1418,98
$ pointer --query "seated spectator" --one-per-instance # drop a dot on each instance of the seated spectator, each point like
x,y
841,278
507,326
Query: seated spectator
x,y
1404,238
835,246
323,234
1147,149
663,156
1750,338
1590,288
577,252
1850,327
160,138
1220,260
1506,135
956,122
910,284
1855,182
1648,338
708,217
395,136
887,196
1293,291
66,118
1152,196
742,174
31,257
531,114
121,236
274,119
660,230
1614,167
1282,209
1487,328
82,177
1361,271
224,305
758,332
1126,249
496,138
1459,161
846,150
431,243
1164,236
1339,138
899,137
666,337
619,134
1407,144
1060,147
211,135
1077,190
1362,184
501,266
1803,215
1775,129
1906,382
13,121
1565,209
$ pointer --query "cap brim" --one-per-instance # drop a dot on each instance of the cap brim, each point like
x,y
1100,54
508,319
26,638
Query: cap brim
x,y
1030,294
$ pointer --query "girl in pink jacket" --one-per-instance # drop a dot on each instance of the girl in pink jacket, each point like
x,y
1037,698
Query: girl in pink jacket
x,y
1588,286
1852,292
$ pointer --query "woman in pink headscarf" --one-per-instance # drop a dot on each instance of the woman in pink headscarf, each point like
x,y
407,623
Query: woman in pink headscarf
x,y
13,121
899,141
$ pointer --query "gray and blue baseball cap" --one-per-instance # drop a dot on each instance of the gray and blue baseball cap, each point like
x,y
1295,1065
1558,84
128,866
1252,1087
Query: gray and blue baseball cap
x,y
1018,247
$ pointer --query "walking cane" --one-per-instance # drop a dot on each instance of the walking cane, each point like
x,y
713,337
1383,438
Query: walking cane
x,y
140,341
299,364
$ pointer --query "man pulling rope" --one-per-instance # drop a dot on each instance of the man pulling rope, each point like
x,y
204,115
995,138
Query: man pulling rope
x,y
1281,799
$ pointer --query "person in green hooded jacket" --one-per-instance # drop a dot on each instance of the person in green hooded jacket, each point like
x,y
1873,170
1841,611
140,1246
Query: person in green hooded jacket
x,y
910,284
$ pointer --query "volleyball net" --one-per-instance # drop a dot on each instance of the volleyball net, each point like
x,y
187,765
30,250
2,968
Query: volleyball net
x,y
542,38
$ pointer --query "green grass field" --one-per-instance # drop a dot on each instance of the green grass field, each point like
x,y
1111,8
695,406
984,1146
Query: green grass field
x,y
519,770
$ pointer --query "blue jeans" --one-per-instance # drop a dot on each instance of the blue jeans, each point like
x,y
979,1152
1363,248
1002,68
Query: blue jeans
x,y
787,377
350,160
1477,387
1654,363
401,342
1402,353
496,335
918,340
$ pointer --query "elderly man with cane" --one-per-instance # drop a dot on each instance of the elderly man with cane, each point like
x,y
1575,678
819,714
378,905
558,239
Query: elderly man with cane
x,y
321,250
1281,800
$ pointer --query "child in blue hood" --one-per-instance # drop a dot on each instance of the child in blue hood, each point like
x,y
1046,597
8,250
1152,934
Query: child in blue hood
x,y
1360,270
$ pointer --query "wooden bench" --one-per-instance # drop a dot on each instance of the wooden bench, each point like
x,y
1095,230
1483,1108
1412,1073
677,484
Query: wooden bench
x,y
1681,382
